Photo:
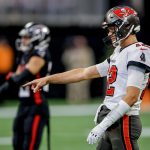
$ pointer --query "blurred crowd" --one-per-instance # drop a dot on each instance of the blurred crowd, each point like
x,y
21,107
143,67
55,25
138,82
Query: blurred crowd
x,y
52,6
78,53
62,6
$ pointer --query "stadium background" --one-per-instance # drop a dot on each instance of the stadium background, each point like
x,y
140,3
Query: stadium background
x,y
65,18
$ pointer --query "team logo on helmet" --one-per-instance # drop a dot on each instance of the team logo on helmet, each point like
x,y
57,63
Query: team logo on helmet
x,y
124,12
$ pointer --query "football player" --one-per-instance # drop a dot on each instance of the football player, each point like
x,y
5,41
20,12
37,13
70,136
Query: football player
x,y
127,70
35,62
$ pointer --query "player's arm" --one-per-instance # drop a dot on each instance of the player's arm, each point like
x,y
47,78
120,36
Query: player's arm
x,y
72,76
21,76
75,75
135,79
35,64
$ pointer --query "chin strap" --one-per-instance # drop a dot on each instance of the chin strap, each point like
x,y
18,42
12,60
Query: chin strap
x,y
115,44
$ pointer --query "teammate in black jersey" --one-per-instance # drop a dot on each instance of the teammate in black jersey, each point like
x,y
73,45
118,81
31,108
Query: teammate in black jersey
x,y
35,62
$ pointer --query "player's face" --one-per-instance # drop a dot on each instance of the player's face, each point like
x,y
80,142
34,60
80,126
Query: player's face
x,y
111,33
25,40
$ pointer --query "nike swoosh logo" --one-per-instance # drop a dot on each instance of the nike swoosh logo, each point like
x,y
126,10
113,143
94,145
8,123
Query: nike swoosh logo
x,y
112,60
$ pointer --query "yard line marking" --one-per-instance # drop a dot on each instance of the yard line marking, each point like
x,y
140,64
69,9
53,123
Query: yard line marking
x,y
61,110
8,140
145,132
5,140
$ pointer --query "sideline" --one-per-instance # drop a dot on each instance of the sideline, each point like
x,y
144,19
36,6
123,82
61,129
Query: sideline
x,y
7,140
57,110
61,110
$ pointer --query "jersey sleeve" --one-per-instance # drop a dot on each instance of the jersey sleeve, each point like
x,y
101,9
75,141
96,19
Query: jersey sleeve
x,y
139,57
103,67
41,52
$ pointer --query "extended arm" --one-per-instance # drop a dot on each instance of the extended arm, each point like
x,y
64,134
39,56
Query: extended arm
x,y
72,76
75,75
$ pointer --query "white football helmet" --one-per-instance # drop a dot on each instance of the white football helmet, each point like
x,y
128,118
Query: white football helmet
x,y
38,37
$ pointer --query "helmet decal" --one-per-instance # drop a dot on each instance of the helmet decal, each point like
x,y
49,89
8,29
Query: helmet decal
x,y
124,12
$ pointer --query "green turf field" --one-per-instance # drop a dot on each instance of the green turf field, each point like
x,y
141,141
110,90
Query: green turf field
x,y
69,133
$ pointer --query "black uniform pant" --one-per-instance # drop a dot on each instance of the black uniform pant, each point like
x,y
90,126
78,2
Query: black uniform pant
x,y
122,135
28,126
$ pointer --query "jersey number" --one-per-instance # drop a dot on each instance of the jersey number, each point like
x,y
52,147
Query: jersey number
x,y
24,92
112,75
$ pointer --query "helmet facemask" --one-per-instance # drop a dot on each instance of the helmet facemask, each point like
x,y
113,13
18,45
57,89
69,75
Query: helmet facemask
x,y
24,46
